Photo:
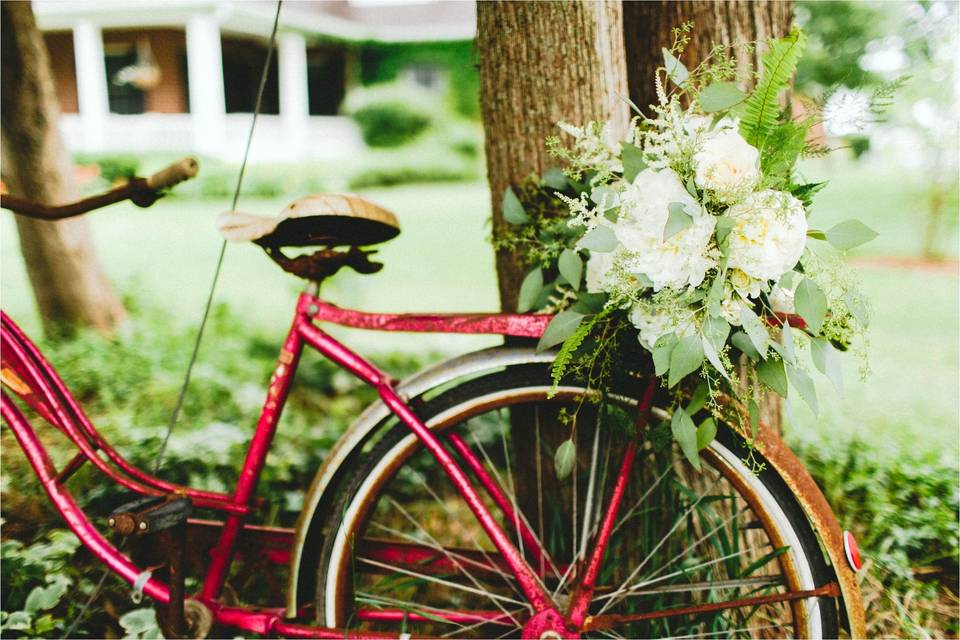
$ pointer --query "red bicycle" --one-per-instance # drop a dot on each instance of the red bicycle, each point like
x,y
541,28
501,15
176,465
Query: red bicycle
x,y
439,512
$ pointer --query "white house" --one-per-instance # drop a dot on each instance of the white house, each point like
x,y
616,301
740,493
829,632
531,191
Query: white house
x,y
182,75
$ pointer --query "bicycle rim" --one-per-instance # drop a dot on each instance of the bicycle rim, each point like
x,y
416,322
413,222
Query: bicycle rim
x,y
405,554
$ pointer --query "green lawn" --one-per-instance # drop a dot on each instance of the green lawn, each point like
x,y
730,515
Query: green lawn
x,y
442,262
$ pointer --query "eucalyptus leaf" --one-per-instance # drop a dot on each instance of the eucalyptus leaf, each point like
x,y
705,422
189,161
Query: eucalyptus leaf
x,y
716,331
789,353
825,359
591,302
816,234
513,211
719,96
643,280
811,304
633,163
685,433
662,350
804,386
601,239
850,234
554,178
756,330
530,290
560,328
571,267
564,459
772,374
686,358
699,398
706,432
691,187
742,341
677,220
676,70
605,196
723,228
714,358
754,412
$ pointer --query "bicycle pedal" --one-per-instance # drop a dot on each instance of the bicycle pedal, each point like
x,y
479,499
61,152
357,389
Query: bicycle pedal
x,y
150,515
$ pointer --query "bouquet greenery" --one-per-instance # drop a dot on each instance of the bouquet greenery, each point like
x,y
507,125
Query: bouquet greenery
x,y
689,235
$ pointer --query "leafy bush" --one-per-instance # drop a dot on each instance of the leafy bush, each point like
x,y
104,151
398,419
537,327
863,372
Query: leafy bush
x,y
393,114
390,176
35,580
904,508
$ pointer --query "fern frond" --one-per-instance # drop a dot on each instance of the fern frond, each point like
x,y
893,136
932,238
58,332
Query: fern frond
x,y
565,356
760,110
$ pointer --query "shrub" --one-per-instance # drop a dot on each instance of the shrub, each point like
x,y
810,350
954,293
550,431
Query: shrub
x,y
393,114
113,167
394,175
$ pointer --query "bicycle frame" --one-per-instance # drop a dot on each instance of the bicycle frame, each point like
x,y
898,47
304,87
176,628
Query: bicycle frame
x,y
28,375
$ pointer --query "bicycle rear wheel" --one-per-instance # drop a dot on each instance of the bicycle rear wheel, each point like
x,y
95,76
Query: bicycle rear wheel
x,y
722,552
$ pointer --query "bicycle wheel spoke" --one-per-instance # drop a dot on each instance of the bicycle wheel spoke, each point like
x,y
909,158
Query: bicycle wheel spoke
x,y
662,541
440,581
438,547
591,481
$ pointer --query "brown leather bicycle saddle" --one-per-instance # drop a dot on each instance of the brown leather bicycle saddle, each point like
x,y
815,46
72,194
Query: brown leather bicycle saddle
x,y
326,219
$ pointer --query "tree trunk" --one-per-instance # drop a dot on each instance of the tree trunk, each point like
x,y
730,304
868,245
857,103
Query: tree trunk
x,y
541,63
68,282
648,28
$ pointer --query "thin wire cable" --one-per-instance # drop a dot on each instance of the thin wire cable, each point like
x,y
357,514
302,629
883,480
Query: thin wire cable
x,y
223,247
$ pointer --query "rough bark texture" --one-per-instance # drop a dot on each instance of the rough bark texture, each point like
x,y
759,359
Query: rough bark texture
x,y
648,28
68,283
541,63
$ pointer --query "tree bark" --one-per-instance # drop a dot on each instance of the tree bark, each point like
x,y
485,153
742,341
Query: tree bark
x,y
68,282
541,63
648,28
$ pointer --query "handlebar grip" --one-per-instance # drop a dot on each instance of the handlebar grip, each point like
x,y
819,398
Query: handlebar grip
x,y
174,174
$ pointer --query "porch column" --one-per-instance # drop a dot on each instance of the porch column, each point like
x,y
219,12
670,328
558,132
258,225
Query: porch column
x,y
91,83
294,96
205,76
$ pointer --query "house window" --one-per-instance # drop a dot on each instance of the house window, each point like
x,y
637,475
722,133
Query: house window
x,y
326,78
123,97
242,65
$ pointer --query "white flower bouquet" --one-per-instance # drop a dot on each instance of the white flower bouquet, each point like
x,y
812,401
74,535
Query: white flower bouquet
x,y
690,236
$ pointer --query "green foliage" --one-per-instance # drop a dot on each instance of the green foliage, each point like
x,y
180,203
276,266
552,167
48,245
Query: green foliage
x,y
762,108
36,579
383,62
904,508
113,166
388,176
839,32
390,124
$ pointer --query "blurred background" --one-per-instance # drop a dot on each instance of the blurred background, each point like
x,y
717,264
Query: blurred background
x,y
382,99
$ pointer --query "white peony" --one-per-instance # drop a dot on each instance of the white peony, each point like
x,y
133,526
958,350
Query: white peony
x,y
727,165
682,259
653,321
768,235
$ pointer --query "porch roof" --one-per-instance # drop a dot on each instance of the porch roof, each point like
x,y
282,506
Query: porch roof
x,y
426,21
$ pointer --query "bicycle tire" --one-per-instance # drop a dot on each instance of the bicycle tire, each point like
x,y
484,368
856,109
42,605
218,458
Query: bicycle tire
x,y
392,450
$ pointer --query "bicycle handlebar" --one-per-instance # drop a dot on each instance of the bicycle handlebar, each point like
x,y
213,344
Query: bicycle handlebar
x,y
143,192
174,174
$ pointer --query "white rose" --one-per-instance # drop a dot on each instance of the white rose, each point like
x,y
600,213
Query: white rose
x,y
727,165
682,259
653,321
768,235
598,272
